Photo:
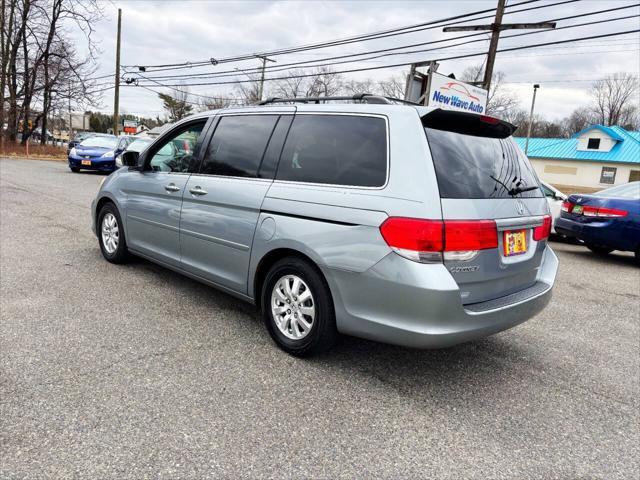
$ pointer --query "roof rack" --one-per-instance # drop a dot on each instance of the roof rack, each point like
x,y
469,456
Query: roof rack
x,y
358,97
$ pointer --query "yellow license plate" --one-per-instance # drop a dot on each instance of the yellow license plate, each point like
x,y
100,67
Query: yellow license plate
x,y
514,242
86,162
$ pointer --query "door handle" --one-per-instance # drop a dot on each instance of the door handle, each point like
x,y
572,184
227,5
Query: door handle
x,y
171,187
197,191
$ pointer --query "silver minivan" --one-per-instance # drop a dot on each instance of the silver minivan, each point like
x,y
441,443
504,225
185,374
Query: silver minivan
x,y
399,223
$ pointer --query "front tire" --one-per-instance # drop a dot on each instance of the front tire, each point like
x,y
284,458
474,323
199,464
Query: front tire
x,y
297,308
74,169
111,235
599,250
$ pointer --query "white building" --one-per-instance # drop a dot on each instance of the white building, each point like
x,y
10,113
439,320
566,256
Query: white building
x,y
593,159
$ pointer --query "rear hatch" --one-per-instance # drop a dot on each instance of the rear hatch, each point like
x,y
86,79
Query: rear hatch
x,y
495,215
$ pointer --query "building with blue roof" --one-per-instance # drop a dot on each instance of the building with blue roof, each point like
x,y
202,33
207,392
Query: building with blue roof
x,y
593,159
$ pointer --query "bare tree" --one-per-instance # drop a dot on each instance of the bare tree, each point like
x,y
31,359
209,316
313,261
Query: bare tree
x,y
40,61
176,104
353,87
579,119
321,82
615,99
214,102
249,92
324,83
290,87
499,102
392,87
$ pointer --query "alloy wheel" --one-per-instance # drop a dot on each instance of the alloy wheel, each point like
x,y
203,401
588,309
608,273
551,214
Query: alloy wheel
x,y
293,307
110,233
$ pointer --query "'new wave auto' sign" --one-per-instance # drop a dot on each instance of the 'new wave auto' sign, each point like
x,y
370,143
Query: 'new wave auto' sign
x,y
451,94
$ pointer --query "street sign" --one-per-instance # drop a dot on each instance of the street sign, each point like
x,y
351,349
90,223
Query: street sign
x,y
79,121
451,94
130,126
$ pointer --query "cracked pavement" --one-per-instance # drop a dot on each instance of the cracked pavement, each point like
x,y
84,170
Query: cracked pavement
x,y
137,372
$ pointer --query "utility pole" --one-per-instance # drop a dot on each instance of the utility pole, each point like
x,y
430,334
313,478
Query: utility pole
x,y
264,59
493,45
69,129
496,27
533,104
116,95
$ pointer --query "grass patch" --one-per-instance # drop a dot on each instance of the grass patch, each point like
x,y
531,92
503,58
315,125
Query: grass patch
x,y
36,152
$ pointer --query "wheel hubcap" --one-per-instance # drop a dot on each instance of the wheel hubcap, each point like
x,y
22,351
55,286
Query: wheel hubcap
x,y
110,233
292,307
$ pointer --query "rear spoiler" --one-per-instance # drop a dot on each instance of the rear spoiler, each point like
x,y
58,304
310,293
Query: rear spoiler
x,y
467,123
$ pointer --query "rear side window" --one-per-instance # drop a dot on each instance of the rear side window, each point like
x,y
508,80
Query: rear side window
x,y
336,150
238,145
469,166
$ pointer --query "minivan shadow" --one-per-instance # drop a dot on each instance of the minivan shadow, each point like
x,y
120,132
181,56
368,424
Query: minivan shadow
x,y
487,361
393,366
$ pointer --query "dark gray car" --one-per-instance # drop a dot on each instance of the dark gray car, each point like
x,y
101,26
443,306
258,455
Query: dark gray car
x,y
402,224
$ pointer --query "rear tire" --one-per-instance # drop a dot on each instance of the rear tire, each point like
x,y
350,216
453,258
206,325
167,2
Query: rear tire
x,y
637,253
599,250
297,308
111,235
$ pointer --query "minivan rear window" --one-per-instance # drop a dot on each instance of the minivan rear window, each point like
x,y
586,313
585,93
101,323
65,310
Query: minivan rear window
x,y
470,166
335,149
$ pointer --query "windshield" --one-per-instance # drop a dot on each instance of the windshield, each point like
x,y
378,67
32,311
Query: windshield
x,y
81,136
138,145
470,166
100,142
629,190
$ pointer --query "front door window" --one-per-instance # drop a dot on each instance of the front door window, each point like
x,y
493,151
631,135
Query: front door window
x,y
177,153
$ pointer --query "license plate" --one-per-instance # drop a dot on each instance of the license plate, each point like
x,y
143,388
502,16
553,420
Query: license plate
x,y
577,209
515,242
86,162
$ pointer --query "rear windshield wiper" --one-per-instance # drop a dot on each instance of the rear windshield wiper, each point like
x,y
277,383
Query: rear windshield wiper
x,y
515,190
518,190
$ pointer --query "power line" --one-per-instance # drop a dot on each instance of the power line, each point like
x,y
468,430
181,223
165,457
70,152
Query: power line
x,y
390,51
522,47
366,37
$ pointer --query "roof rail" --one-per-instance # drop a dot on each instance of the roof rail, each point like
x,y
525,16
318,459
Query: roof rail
x,y
358,97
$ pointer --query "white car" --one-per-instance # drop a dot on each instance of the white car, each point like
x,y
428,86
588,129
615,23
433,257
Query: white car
x,y
554,198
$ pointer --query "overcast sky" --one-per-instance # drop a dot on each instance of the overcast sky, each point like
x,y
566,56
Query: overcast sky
x,y
160,32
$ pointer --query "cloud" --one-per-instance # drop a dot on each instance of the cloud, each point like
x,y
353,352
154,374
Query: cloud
x,y
159,32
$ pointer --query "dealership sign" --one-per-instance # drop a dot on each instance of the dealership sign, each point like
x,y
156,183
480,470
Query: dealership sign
x,y
451,94
130,126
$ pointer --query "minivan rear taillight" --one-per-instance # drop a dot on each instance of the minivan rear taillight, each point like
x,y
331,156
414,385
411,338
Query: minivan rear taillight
x,y
543,231
429,241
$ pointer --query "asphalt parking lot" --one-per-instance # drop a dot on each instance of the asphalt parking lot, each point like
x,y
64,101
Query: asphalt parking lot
x,y
137,372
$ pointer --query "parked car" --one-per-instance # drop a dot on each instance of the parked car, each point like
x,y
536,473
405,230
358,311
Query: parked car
x,y
80,136
605,221
94,153
554,198
123,142
398,223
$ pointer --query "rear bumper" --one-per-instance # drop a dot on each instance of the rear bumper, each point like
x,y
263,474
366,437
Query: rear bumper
x,y
416,305
603,233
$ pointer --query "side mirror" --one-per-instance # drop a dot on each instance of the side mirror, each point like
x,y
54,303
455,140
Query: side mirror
x,y
130,159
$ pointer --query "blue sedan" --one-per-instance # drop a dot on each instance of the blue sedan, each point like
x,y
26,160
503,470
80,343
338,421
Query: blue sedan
x,y
94,153
605,221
